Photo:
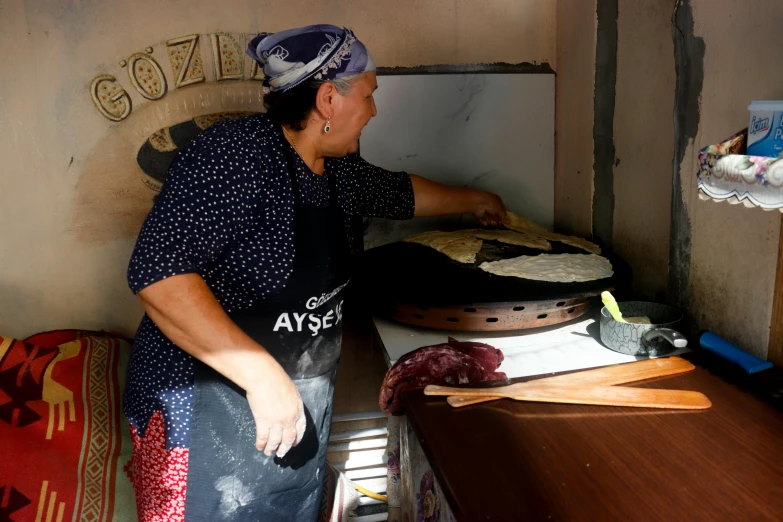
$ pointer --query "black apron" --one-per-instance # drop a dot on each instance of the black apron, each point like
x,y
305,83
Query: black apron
x,y
301,326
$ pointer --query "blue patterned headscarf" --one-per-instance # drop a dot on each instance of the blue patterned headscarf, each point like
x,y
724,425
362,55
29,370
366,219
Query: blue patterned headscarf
x,y
322,52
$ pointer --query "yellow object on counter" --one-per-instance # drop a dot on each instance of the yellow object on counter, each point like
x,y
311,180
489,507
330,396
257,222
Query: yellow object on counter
x,y
617,315
611,306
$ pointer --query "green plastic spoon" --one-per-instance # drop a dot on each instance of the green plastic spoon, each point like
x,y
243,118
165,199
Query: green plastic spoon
x,y
611,305
617,315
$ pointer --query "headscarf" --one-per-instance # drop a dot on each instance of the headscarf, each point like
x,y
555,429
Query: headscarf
x,y
322,52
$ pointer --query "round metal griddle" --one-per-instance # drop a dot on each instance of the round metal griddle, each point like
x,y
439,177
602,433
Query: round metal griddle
x,y
490,316
416,285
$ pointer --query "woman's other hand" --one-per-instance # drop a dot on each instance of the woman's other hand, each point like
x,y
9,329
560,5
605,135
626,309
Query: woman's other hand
x,y
278,411
186,310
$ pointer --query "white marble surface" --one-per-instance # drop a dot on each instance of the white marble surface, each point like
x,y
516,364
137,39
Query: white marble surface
x,y
490,131
574,345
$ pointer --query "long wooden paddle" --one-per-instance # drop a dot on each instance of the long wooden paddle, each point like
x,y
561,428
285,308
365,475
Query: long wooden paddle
x,y
606,377
612,396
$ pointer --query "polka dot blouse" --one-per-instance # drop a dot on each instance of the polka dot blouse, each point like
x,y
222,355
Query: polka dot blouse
x,y
226,213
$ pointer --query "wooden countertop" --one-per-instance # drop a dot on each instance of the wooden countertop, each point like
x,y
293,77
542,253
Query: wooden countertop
x,y
510,460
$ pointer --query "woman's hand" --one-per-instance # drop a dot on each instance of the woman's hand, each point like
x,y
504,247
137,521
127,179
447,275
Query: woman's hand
x,y
278,411
490,209
436,199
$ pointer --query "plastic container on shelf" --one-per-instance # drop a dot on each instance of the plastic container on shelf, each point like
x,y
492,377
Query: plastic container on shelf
x,y
765,129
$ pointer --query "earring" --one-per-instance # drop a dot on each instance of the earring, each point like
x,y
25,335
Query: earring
x,y
328,126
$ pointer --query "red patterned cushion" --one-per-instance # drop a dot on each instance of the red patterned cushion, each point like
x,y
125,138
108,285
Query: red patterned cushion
x,y
65,442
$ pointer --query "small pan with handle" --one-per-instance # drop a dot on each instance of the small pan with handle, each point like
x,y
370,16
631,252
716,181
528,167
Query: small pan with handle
x,y
632,338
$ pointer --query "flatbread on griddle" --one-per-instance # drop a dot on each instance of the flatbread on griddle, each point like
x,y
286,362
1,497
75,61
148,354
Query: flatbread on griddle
x,y
463,249
521,224
460,246
463,245
555,268
511,237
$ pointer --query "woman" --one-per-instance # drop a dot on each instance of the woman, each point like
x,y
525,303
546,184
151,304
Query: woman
x,y
241,267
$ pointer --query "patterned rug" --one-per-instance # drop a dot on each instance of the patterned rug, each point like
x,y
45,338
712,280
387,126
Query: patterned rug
x,y
65,443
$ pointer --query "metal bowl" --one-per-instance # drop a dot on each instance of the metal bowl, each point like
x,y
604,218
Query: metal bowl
x,y
657,338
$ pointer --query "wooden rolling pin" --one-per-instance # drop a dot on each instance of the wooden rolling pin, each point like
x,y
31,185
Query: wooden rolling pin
x,y
607,376
595,395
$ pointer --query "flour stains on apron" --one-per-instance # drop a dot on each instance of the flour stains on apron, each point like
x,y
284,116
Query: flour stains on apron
x,y
234,495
